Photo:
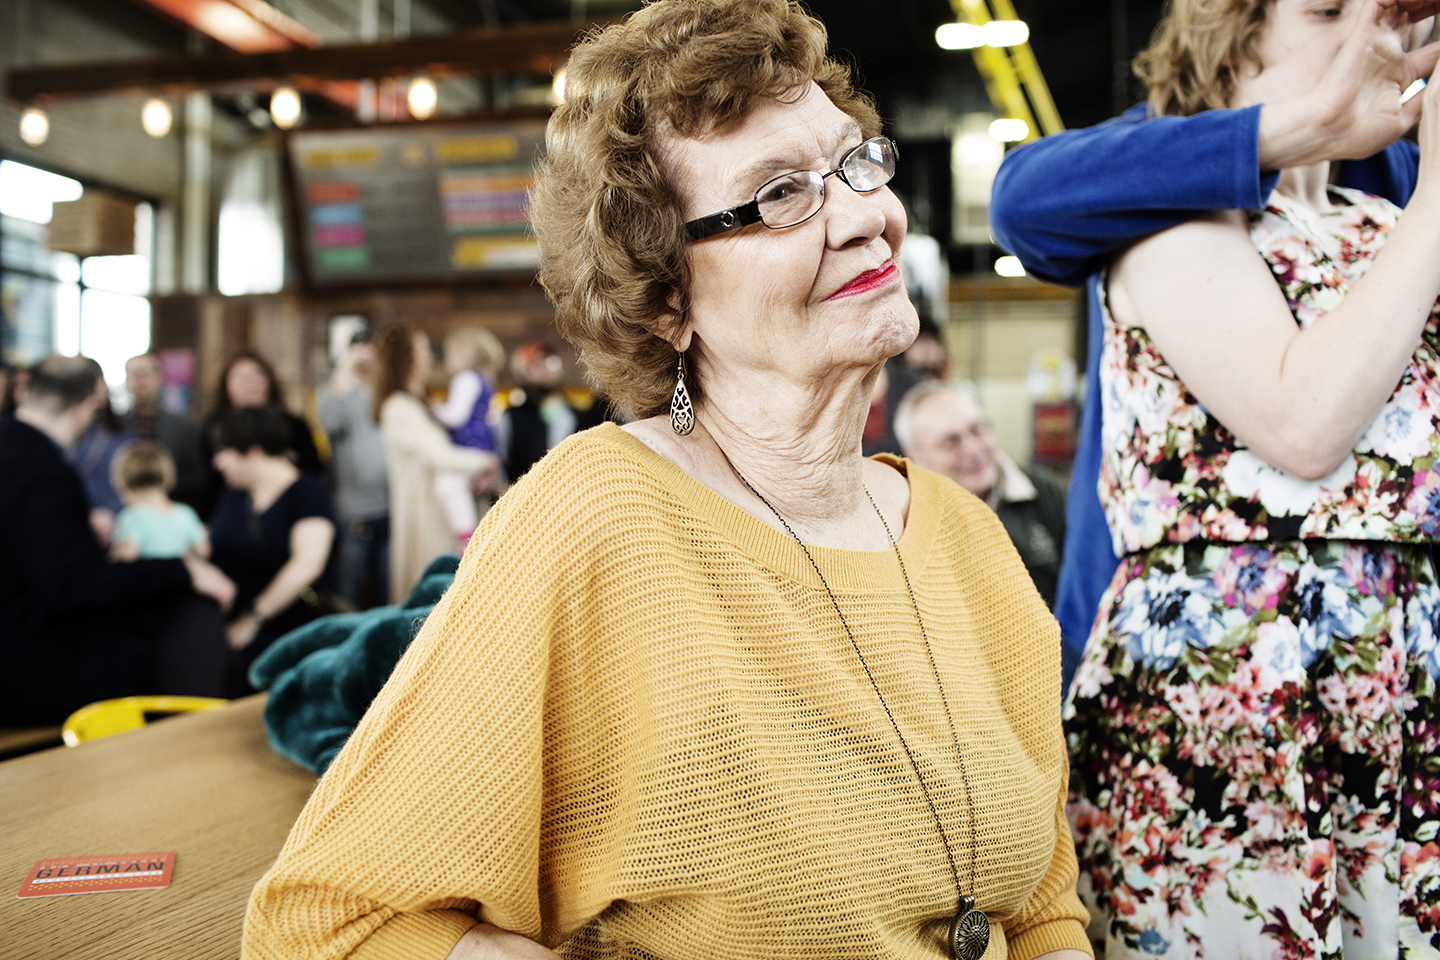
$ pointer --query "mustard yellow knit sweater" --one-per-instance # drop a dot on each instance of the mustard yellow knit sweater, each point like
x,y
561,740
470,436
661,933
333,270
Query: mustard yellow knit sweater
x,y
634,727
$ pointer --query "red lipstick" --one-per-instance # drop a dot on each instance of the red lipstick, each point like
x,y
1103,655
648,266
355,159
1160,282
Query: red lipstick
x,y
884,274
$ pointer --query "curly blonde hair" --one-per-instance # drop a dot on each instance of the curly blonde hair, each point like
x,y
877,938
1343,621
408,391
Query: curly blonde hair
x,y
1197,53
609,220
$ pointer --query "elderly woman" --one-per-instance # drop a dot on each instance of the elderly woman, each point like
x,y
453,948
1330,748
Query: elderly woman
x,y
713,684
1254,724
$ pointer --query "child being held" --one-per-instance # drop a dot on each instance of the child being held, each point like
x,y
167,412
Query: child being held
x,y
473,356
152,526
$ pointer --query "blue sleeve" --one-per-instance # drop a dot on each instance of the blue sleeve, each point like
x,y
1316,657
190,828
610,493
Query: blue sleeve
x,y
1063,203
1087,561
1390,174
91,457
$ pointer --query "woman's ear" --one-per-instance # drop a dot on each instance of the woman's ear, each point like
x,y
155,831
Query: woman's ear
x,y
670,326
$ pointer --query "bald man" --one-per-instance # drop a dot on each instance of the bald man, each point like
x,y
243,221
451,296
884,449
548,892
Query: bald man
x,y
75,627
942,427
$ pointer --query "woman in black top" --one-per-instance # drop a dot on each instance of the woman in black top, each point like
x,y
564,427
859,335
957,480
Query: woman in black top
x,y
271,532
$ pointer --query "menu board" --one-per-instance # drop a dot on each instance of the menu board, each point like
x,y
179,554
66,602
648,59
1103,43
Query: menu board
x,y
416,202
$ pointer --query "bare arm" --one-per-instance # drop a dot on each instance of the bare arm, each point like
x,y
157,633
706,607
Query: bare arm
x,y
310,541
486,942
207,580
1066,203
1300,399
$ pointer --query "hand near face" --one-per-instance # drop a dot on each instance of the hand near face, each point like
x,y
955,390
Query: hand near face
x,y
1413,10
488,479
1333,77
1358,96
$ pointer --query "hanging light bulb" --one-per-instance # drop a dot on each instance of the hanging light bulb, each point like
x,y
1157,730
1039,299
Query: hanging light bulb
x,y
557,86
1006,33
34,126
422,98
1009,130
959,36
285,107
156,117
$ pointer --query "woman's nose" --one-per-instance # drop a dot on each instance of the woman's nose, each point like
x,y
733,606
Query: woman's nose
x,y
853,219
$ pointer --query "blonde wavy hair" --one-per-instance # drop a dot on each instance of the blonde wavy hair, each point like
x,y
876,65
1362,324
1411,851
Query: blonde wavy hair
x,y
609,220
1197,53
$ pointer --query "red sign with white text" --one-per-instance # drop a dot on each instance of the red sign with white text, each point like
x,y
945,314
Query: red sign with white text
x,y
66,875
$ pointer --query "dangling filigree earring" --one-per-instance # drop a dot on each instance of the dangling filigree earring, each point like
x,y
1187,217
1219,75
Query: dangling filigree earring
x,y
682,414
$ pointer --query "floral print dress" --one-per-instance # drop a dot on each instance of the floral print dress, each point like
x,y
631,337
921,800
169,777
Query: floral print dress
x,y
1253,727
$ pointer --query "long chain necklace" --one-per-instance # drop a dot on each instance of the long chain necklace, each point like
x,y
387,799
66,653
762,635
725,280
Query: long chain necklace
x,y
969,934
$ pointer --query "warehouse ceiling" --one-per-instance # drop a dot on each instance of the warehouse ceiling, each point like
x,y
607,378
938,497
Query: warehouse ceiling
x,y
893,44
1076,42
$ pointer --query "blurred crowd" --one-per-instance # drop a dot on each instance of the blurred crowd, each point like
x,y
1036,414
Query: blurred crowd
x,y
119,530
151,551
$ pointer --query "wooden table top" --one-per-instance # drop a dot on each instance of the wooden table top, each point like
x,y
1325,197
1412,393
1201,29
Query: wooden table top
x,y
18,741
206,785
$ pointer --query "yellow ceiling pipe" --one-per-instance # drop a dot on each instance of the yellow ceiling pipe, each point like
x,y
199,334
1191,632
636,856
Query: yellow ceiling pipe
x,y
1012,75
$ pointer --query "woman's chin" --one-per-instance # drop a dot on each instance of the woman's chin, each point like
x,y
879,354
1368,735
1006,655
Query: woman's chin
x,y
897,329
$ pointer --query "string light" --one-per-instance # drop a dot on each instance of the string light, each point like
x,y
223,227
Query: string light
x,y
968,36
422,98
959,36
285,107
34,126
1006,33
156,117
1009,130
1009,267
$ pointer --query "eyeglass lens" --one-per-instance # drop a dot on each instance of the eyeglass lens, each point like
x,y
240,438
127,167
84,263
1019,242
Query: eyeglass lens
x,y
796,197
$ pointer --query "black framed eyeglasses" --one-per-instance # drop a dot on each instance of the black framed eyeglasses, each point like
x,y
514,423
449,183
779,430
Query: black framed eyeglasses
x,y
793,198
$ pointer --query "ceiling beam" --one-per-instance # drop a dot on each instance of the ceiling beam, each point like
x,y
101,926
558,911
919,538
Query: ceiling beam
x,y
519,48
249,26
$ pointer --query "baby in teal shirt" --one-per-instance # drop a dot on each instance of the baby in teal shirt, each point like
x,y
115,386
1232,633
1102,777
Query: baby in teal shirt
x,y
152,526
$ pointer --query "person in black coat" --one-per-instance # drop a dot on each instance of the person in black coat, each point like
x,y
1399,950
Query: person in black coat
x,y
942,427
75,628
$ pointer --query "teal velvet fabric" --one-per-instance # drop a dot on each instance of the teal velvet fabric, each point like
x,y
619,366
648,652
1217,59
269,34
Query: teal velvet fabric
x,y
322,676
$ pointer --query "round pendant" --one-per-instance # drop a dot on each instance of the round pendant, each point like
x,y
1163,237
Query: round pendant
x,y
969,934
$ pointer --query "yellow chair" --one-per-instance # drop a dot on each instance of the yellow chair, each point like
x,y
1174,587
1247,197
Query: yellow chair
x,y
105,717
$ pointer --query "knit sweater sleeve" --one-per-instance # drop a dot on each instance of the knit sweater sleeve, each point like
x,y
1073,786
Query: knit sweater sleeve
x,y
1054,918
430,817
1027,672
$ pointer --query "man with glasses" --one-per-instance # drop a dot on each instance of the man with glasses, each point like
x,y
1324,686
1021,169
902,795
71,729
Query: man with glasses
x,y
941,427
